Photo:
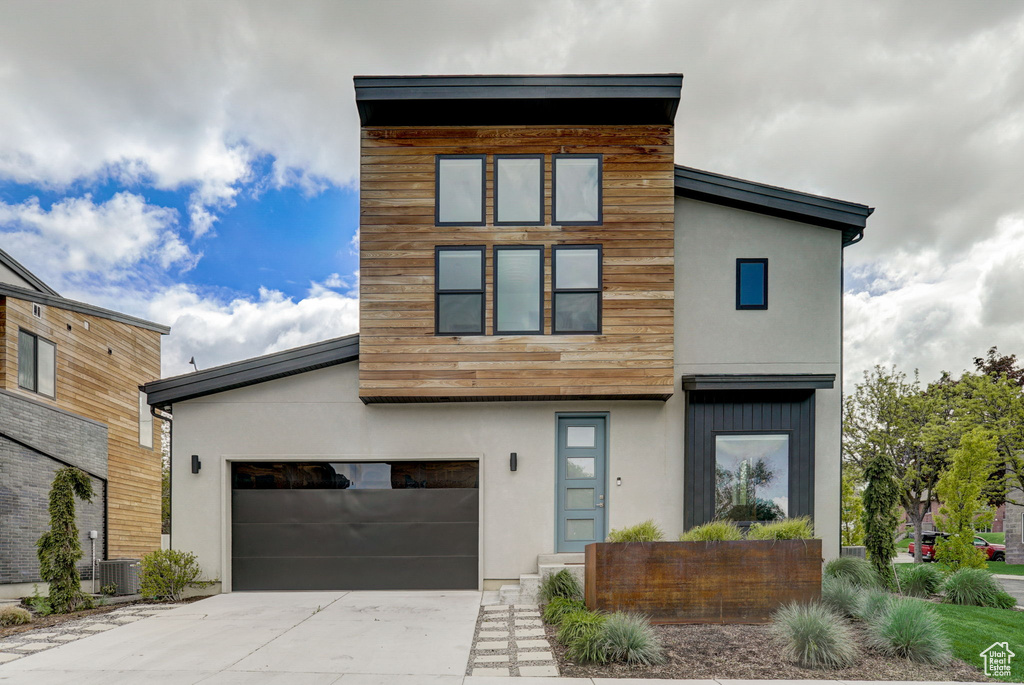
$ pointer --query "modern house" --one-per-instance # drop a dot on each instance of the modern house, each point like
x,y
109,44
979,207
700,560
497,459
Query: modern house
x,y
561,332
70,377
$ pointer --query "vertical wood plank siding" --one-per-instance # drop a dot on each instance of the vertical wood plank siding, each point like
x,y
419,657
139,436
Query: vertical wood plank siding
x,y
400,357
103,387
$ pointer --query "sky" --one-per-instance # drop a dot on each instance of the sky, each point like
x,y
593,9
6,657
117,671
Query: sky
x,y
195,163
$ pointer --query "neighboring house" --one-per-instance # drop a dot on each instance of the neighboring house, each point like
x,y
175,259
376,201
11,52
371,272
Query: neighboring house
x,y
561,332
995,526
70,377
1014,529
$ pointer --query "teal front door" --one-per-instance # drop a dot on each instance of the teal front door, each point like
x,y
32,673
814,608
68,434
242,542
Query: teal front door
x,y
580,502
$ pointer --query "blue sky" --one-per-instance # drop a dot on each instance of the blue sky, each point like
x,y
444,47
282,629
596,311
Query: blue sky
x,y
196,163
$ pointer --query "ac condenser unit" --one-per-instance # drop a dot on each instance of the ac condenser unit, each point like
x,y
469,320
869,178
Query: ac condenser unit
x,y
123,574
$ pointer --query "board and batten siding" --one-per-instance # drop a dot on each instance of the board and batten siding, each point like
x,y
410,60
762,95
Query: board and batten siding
x,y
104,387
400,357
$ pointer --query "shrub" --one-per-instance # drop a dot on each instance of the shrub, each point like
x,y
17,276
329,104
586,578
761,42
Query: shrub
x,y
873,603
630,638
910,629
577,624
815,636
14,616
58,548
799,528
856,570
714,531
561,584
840,595
648,531
559,607
919,580
588,647
166,573
976,587
38,603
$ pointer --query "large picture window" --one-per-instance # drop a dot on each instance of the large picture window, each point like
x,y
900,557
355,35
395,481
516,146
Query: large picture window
x,y
519,190
518,289
459,286
37,364
460,189
752,476
576,298
576,193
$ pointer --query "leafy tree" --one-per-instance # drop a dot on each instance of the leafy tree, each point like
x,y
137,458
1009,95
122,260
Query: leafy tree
x,y
961,490
994,364
59,549
881,514
852,519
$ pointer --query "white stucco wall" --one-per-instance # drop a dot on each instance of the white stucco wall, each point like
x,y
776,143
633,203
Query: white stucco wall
x,y
10,277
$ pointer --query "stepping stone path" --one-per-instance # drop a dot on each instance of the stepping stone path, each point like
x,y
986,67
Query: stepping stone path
x,y
509,641
35,641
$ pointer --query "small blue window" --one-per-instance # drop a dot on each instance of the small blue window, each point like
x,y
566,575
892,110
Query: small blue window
x,y
751,284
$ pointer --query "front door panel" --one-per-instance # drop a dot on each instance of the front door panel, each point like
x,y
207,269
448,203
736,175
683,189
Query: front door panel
x,y
580,505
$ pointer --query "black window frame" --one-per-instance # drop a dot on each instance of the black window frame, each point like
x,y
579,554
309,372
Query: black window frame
x,y
437,191
497,188
494,294
739,283
482,291
35,363
600,188
555,290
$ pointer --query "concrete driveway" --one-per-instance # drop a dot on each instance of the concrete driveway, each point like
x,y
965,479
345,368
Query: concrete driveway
x,y
300,638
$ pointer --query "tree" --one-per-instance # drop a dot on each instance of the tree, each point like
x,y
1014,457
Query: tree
x,y
852,511
59,549
961,489
992,364
881,514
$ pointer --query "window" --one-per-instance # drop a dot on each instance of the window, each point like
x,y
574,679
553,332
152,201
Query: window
x,y
459,192
145,422
751,284
752,476
519,190
518,289
459,290
576,196
37,361
576,298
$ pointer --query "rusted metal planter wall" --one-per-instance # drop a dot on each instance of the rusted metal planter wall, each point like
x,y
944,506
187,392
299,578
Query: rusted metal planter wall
x,y
702,582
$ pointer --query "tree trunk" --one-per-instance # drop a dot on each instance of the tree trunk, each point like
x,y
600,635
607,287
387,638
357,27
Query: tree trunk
x,y
917,518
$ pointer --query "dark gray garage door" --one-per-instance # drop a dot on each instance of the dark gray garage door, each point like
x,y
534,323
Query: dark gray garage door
x,y
355,526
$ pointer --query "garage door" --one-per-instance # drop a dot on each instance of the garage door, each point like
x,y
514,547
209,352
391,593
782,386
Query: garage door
x,y
399,525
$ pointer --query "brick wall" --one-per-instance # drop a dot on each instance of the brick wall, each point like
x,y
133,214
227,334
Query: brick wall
x,y
29,431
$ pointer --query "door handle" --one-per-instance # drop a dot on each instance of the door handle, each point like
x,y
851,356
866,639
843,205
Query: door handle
x,y
600,504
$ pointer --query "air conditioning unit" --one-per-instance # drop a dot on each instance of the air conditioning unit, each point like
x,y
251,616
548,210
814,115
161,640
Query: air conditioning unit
x,y
123,574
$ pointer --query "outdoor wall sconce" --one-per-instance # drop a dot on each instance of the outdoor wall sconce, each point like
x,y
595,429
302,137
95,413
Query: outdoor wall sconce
x,y
513,461
618,481
196,464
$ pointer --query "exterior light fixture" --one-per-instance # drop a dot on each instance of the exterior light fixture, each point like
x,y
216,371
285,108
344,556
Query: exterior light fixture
x,y
196,464
513,461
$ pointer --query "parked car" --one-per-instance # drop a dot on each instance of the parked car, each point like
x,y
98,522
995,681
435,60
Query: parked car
x,y
992,550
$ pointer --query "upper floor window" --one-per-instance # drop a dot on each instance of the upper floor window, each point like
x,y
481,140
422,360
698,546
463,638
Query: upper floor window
x,y
576,297
37,364
460,190
519,190
576,195
459,290
518,289
751,284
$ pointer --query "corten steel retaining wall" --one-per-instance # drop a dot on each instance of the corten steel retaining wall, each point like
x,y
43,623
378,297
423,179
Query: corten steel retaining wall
x,y
741,581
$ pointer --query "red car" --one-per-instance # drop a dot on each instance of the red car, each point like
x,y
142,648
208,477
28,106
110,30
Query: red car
x,y
995,552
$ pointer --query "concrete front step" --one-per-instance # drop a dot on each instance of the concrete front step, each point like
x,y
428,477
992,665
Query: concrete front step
x,y
561,558
528,590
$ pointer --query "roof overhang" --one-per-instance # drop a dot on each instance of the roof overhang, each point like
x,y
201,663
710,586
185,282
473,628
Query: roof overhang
x,y
617,99
848,217
166,391
776,381
7,290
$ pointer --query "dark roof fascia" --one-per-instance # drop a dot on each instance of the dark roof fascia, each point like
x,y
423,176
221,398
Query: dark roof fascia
x,y
15,266
609,99
848,217
784,381
80,307
239,374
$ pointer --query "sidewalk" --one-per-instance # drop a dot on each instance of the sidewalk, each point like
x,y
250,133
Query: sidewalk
x,y
490,680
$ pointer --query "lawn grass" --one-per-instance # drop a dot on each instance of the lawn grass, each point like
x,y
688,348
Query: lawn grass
x,y
1007,569
972,629
995,538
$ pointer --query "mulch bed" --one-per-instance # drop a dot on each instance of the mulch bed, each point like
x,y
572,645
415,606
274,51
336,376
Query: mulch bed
x,y
753,652
39,622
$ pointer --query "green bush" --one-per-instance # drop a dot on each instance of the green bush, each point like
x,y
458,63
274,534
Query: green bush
x,y
38,603
561,584
577,624
647,531
166,573
873,603
976,587
815,636
799,528
14,616
919,580
715,531
840,595
58,549
910,629
631,638
858,571
589,647
559,607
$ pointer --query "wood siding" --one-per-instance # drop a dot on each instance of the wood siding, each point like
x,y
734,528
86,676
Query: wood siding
x,y
400,357
104,387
